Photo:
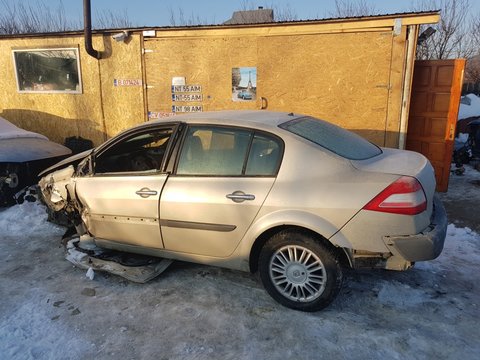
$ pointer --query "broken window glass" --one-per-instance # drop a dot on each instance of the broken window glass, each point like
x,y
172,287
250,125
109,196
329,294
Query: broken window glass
x,y
47,70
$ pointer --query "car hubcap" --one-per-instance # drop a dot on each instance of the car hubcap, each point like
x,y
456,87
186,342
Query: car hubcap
x,y
297,273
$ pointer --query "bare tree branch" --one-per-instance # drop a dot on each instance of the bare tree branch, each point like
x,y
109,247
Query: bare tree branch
x,y
178,18
452,38
475,33
285,13
108,19
346,8
20,18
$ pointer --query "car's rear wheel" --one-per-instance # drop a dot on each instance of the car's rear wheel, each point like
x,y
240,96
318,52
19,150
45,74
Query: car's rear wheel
x,y
299,271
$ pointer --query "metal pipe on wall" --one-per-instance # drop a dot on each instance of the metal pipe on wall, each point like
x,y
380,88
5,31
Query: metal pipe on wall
x,y
87,23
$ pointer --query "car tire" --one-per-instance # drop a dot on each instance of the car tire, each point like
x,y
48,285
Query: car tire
x,y
299,271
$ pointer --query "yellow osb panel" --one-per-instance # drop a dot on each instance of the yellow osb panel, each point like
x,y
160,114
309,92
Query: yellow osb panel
x,y
341,77
206,61
61,115
123,104
54,115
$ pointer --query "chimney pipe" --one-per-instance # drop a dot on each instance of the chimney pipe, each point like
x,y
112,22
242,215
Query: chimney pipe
x,y
87,22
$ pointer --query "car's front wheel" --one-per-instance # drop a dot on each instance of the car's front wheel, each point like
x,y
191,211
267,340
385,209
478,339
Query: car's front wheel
x,y
299,271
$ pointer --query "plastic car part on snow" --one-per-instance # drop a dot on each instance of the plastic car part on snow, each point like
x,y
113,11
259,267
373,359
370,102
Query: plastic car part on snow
x,y
92,259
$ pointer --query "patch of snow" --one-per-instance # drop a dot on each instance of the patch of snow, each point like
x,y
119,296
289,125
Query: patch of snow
x,y
466,111
27,219
461,250
462,138
400,295
459,184
32,331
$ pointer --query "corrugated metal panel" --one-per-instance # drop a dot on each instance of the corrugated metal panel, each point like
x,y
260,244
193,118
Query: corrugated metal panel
x,y
309,21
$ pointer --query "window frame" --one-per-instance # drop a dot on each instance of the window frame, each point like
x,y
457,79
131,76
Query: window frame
x,y
131,134
253,131
60,48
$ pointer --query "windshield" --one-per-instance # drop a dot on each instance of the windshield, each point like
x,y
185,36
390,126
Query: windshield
x,y
342,142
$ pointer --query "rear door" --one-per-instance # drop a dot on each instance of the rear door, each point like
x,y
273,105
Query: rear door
x,y
222,178
433,115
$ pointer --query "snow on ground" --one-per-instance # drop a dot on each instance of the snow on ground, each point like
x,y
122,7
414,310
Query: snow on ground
x,y
51,310
27,219
464,187
466,111
463,199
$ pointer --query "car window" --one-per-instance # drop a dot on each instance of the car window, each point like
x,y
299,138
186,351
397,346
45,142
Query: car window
x,y
264,156
224,151
142,152
214,151
340,141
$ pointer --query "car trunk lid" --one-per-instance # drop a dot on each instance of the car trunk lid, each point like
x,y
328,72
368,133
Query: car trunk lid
x,y
402,162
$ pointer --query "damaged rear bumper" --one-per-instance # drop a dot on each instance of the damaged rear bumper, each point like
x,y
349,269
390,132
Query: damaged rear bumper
x,y
426,245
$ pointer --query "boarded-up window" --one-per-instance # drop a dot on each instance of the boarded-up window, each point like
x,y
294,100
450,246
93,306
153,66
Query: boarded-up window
x,y
47,70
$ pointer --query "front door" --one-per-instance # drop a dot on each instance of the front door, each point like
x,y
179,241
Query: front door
x,y
223,176
433,115
121,198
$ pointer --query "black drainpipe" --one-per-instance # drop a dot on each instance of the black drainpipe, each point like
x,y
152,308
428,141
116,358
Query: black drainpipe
x,y
87,22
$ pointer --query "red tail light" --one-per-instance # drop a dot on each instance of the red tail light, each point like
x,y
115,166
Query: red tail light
x,y
404,196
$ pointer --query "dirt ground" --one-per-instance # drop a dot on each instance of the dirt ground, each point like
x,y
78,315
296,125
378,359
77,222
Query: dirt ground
x,y
51,310
462,200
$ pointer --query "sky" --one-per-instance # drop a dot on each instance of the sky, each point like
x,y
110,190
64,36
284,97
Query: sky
x,y
158,12
217,11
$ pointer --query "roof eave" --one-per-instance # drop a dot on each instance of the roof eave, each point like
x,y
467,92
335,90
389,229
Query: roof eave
x,y
371,21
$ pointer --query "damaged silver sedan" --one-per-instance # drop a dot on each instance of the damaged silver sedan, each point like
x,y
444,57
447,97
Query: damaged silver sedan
x,y
292,197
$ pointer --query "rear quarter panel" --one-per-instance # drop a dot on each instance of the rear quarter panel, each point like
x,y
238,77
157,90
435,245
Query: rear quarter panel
x,y
317,190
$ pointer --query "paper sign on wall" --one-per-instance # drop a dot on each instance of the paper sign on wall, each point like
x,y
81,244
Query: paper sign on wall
x,y
127,82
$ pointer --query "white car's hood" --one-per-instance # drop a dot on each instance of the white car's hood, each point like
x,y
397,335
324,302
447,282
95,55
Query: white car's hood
x,y
18,145
10,131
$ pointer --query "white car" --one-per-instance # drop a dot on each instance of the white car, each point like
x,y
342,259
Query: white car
x,y
23,154
290,196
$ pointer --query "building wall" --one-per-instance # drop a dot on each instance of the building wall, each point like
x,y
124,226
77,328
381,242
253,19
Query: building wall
x,y
100,111
351,73
353,78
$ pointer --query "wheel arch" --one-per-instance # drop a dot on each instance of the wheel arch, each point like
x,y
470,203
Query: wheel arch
x,y
344,254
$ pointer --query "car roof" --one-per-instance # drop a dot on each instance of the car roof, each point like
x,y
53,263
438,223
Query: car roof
x,y
253,118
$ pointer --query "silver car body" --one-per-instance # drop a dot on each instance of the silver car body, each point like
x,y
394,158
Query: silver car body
x,y
224,220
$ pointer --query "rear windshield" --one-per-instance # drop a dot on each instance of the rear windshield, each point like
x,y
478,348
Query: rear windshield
x,y
342,142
